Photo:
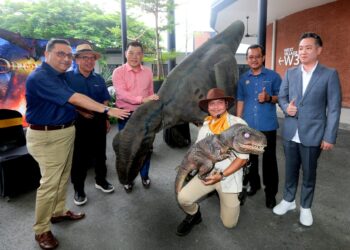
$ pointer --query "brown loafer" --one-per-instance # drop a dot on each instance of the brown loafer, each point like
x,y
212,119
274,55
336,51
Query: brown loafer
x,y
46,240
69,215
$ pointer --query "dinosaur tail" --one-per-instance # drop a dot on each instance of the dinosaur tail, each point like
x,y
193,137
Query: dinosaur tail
x,y
181,176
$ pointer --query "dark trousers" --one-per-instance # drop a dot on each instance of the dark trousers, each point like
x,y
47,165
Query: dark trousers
x,y
297,155
147,163
89,149
269,167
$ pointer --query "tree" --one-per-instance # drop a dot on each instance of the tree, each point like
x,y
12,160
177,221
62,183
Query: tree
x,y
159,10
45,19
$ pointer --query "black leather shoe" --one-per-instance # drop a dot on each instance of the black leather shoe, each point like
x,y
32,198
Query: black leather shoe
x,y
188,223
242,196
270,202
146,182
128,187
80,198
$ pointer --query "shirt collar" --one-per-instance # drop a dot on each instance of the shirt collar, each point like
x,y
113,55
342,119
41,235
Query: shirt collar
x,y
129,68
312,71
48,67
263,72
77,72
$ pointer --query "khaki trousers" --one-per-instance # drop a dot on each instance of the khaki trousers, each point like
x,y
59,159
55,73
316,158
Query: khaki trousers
x,y
195,189
53,150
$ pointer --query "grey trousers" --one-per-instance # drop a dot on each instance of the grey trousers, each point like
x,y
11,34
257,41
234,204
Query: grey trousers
x,y
299,156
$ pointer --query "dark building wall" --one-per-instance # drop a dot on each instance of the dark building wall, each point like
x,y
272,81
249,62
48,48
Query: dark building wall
x,y
332,22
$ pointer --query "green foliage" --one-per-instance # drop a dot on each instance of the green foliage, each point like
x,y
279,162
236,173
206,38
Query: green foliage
x,y
44,19
159,10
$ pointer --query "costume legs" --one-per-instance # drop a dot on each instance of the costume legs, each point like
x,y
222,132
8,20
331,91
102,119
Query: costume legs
x,y
147,163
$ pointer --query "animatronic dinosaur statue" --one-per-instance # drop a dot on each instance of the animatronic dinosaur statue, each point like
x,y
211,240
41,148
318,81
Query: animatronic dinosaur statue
x,y
204,154
213,65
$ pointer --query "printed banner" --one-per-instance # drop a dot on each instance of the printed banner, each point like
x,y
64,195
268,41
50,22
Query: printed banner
x,y
19,56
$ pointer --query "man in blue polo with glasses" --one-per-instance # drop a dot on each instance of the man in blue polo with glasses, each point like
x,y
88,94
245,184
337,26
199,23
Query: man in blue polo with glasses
x,y
51,111
91,127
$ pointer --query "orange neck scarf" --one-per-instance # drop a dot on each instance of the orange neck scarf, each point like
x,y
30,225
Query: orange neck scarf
x,y
217,125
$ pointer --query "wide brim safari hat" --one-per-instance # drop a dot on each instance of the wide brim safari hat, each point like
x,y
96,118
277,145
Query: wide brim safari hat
x,y
84,49
215,94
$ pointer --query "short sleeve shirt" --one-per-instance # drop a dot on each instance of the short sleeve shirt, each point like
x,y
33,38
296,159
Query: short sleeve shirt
x,y
94,86
260,116
47,95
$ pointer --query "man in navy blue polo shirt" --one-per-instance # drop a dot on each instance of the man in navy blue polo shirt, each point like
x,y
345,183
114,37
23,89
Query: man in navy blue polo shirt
x,y
50,136
91,127
257,96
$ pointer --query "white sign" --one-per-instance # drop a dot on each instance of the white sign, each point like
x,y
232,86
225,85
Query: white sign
x,y
290,57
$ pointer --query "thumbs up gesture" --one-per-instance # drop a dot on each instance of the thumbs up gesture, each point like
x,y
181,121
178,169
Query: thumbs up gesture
x,y
292,109
264,96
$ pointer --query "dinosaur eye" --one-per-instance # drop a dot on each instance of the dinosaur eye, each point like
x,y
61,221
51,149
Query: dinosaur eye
x,y
246,135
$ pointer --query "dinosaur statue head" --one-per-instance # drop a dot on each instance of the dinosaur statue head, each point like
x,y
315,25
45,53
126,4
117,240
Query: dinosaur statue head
x,y
244,139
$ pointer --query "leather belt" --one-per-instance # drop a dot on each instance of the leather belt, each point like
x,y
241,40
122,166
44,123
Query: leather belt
x,y
51,127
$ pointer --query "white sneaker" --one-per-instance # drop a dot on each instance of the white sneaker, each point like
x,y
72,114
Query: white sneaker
x,y
306,216
283,207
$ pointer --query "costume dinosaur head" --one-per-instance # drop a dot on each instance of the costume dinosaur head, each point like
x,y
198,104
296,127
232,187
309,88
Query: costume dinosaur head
x,y
244,139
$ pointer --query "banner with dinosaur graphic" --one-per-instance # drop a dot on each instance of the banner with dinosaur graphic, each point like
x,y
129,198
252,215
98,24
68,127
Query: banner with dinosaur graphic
x,y
19,56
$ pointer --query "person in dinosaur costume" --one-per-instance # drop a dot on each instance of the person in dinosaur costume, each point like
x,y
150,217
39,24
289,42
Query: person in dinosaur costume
x,y
222,149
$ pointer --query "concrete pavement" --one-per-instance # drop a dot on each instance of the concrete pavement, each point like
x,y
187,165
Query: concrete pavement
x,y
147,219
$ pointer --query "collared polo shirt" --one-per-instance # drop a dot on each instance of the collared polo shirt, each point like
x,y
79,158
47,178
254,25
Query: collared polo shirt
x,y
47,95
132,86
260,116
94,86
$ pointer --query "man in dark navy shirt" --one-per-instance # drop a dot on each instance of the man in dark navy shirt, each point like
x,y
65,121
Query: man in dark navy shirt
x,y
257,96
50,135
91,127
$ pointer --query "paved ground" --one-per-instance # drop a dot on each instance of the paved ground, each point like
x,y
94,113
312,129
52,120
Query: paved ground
x,y
147,219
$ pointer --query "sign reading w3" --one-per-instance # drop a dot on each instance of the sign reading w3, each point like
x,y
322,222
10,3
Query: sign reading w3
x,y
290,57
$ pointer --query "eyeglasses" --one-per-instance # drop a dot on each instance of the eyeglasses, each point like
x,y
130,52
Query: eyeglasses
x,y
254,57
87,58
62,54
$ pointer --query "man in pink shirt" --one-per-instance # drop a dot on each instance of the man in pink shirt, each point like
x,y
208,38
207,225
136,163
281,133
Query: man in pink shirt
x,y
133,84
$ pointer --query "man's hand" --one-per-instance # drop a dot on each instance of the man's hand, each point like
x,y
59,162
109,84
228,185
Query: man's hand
x,y
153,97
119,113
326,146
212,179
292,109
264,96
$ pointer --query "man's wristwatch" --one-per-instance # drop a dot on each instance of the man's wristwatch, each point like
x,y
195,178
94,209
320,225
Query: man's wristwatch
x,y
106,110
270,99
222,175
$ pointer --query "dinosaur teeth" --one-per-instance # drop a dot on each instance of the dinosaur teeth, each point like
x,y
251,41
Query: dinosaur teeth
x,y
259,148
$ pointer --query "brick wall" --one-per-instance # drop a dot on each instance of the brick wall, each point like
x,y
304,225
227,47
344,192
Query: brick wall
x,y
332,22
